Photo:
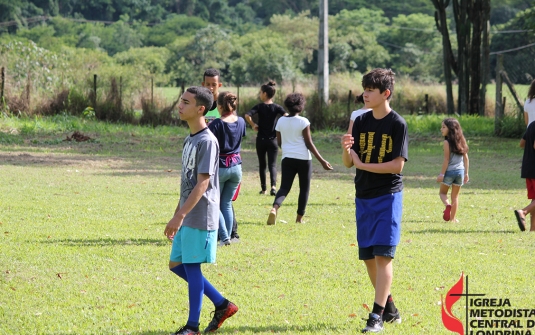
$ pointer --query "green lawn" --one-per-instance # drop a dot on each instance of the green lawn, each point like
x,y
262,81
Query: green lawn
x,y
82,248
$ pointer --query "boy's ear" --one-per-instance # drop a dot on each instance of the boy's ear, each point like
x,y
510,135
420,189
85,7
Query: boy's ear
x,y
220,84
387,93
201,109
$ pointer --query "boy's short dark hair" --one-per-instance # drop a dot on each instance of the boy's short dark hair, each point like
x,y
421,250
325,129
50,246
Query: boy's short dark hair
x,y
203,97
295,102
211,72
383,79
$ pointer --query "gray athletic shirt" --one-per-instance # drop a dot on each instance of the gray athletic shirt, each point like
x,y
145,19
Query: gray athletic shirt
x,y
201,155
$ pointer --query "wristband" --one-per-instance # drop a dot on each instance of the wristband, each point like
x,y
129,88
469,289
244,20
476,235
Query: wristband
x,y
441,175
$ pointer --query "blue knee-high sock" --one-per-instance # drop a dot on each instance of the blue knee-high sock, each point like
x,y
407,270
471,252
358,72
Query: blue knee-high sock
x,y
179,271
209,290
195,292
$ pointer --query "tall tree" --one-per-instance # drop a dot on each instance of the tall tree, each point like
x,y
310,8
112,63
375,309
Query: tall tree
x,y
323,52
470,19
441,21
485,59
462,27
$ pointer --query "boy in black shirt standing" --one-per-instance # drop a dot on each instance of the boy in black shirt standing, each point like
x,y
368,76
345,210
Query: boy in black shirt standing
x,y
378,148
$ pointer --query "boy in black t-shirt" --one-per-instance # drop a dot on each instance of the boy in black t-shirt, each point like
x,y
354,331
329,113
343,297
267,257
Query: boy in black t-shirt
x,y
528,172
378,148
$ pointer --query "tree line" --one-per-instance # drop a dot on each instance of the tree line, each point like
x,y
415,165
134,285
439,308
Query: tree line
x,y
251,41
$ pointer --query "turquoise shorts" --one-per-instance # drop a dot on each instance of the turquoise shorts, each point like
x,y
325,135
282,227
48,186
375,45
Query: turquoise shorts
x,y
192,245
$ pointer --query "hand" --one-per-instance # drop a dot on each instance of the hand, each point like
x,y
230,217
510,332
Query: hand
x,y
466,178
355,158
326,165
173,226
440,178
347,142
255,127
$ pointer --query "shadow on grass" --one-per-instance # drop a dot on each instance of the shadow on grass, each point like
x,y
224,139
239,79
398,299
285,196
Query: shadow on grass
x,y
461,231
108,242
316,328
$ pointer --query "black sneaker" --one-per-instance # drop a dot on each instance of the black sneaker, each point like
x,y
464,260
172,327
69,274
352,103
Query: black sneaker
x,y
186,331
392,317
374,324
220,316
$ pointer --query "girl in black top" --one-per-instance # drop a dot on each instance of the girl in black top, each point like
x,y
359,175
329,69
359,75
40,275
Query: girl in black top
x,y
266,140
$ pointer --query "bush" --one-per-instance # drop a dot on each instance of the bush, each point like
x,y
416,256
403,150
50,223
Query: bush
x,y
512,127
153,116
111,109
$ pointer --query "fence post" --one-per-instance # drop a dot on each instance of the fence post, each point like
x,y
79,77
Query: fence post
x,y
94,92
151,90
426,103
349,102
2,85
499,108
28,89
121,92
238,109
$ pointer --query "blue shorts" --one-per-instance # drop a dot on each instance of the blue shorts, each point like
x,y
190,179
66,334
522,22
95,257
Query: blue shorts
x,y
454,177
379,221
192,245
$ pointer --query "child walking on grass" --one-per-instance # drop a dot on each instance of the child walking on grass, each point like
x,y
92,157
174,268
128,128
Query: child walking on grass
x,y
193,227
528,172
293,136
454,171
229,130
266,140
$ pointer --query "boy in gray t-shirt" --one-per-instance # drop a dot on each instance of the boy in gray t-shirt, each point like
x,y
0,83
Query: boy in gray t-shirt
x,y
200,155
194,225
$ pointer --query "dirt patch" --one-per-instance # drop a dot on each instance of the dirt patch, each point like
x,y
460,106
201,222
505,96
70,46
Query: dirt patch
x,y
78,137
24,158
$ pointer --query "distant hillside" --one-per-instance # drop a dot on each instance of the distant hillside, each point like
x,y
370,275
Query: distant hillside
x,y
222,12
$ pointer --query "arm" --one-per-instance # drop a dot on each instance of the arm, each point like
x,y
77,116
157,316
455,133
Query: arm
x,y
350,128
522,143
203,180
526,117
310,146
347,142
445,162
249,120
466,166
279,139
394,166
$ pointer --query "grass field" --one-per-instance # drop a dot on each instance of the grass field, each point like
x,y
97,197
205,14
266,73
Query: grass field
x,y
83,252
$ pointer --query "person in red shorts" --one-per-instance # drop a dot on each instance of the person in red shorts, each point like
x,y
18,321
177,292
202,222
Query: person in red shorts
x,y
528,172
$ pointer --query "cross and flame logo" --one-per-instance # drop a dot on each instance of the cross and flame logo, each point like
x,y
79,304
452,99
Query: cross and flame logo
x,y
450,321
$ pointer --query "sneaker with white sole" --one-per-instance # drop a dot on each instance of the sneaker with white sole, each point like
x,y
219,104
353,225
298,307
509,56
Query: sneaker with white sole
x,y
391,317
374,324
186,331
